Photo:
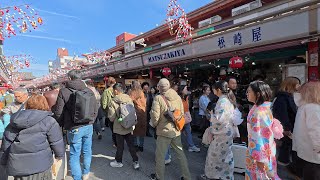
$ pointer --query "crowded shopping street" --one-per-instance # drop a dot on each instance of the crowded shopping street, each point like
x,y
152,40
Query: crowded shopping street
x,y
160,90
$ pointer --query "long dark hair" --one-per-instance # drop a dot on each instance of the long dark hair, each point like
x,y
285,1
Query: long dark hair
x,y
180,89
155,89
204,88
225,90
262,92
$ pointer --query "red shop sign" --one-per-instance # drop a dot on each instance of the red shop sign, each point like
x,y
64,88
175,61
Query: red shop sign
x,y
166,71
236,62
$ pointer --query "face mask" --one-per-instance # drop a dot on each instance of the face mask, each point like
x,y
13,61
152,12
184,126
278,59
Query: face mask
x,y
297,98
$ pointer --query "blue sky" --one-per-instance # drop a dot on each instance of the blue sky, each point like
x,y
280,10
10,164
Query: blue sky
x,y
80,25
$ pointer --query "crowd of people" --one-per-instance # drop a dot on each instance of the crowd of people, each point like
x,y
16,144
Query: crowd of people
x,y
37,128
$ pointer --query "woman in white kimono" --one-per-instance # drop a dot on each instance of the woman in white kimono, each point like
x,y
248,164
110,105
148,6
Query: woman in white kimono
x,y
219,162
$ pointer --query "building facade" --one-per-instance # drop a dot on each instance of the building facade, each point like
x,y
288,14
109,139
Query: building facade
x,y
275,38
64,61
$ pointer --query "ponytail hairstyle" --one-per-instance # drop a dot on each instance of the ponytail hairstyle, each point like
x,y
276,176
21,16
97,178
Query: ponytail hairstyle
x,y
224,88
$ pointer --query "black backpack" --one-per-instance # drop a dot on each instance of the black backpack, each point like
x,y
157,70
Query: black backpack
x,y
83,106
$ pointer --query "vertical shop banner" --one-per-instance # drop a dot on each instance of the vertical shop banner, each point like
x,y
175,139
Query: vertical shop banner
x,y
313,56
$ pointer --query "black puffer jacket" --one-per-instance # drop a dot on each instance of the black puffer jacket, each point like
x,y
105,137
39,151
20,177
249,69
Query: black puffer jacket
x,y
61,112
34,135
285,109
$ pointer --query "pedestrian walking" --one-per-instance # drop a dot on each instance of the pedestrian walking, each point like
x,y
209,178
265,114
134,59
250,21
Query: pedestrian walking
x,y
60,168
219,161
306,132
122,133
261,160
30,139
98,125
285,109
183,92
76,110
106,100
167,134
149,97
203,104
140,104
20,96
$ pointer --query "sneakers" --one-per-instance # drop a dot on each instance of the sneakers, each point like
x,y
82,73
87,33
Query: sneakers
x,y
99,136
168,161
136,165
153,177
85,177
116,164
140,149
194,149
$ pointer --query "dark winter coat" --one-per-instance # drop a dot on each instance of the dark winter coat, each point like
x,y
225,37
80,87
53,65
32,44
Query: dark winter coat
x,y
33,135
285,109
61,112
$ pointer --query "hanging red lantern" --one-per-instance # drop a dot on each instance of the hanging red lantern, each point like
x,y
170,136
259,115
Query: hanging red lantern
x,y
166,71
236,62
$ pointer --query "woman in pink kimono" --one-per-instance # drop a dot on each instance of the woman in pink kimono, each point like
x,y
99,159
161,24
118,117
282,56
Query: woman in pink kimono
x,y
261,160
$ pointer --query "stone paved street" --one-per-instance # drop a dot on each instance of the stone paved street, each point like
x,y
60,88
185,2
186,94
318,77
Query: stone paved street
x,y
103,154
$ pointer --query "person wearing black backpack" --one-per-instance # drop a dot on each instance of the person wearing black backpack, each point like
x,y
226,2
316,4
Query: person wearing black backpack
x,y
76,110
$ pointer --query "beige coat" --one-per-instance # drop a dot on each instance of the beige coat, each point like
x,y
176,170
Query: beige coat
x,y
114,112
164,126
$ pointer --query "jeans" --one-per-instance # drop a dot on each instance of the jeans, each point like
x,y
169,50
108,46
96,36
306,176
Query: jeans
x,y
168,154
163,144
120,147
80,140
187,130
138,141
98,124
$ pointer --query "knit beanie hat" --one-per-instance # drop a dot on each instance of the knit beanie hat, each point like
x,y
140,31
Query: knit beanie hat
x,y
164,85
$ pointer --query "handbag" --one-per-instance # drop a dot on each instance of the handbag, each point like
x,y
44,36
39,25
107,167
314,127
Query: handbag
x,y
207,137
187,117
174,115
